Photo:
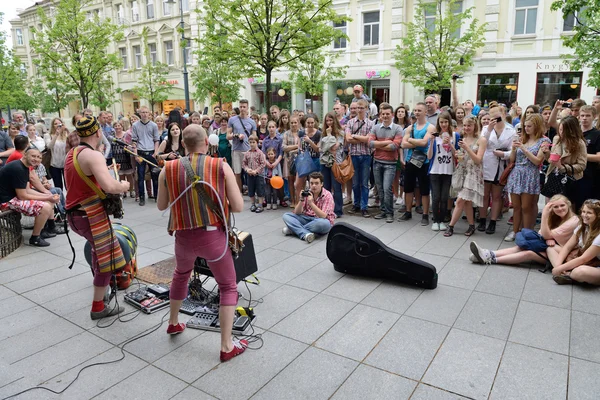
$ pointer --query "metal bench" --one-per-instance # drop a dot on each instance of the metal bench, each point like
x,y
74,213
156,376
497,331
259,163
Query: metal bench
x,y
11,233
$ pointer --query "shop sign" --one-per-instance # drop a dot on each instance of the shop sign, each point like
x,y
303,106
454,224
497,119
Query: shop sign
x,y
260,79
541,66
170,82
378,74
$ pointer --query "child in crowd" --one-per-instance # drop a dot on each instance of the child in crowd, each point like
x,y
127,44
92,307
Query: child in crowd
x,y
254,164
579,259
272,169
442,153
557,226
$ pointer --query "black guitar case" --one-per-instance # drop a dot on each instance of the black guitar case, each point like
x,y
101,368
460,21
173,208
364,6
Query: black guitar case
x,y
354,251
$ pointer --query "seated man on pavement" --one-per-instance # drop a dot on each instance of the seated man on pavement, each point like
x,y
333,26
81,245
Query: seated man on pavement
x,y
16,195
313,213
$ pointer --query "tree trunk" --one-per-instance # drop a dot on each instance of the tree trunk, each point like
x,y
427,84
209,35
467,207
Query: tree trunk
x,y
268,90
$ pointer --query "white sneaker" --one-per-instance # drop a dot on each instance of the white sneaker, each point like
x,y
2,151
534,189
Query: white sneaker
x,y
435,227
309,237
510,237
483,256
286,231
443,227
400,201
473,259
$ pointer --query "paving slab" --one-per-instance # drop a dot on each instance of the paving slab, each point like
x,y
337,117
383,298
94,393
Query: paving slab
x,y
315,374
355,335
441,305
318,278
584,341
149,383
528,373
488,315
541,289
583,379
405,350
507,281
352,288
372,383
466,364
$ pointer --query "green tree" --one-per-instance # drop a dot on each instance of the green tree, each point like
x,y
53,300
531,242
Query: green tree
x,y
152,83
216,75
269,35
53,95
69,38
103,94
10,73
436,47
586,40
311,72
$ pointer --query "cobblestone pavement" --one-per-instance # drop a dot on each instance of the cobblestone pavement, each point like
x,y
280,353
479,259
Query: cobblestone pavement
x,y
485,332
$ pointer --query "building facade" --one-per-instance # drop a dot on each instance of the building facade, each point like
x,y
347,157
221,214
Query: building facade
x,y
521,60
162,20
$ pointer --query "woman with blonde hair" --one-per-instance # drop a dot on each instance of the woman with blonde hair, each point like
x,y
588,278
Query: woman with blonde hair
x,y
579,259
57,144
557,225
528,152
469,175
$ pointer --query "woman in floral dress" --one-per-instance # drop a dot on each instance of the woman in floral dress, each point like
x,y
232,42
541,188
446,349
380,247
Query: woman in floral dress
x,y
528,154
470,165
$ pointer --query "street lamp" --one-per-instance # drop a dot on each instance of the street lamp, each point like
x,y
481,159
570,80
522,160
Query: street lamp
x,y
186,87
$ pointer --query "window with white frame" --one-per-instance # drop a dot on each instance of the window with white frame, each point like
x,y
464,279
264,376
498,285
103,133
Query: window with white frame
x,y
525,16
185,5
152,51
150,9
123,52
371,28
457,8
23,68
137,55
188,53
169,55
166,7
430,12
19,34
120,13
341,42
135,11
572,20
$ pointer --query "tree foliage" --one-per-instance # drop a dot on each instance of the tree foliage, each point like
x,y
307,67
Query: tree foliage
x,y
433,47
11,78
216,75
54,94
268,35
311,72
152,83
76,44
586,38
103,94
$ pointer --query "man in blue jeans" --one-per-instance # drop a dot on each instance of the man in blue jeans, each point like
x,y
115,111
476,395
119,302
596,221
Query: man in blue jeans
x,y
145,142
357,136
385,139
313,213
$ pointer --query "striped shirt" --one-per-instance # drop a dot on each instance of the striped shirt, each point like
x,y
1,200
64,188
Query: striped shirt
x,y
190,211
362,128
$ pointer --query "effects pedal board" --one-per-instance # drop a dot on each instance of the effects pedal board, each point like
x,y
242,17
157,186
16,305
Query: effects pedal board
x,y
160,289
191,307
210,322
146,301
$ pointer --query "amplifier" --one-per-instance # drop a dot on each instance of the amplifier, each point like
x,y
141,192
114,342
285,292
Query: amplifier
x,y
245,264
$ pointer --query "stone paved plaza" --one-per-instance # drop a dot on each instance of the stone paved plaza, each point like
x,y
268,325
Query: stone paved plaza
x,y
485,332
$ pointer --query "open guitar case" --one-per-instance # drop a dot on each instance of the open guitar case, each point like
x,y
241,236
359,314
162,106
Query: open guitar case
x,y
354,251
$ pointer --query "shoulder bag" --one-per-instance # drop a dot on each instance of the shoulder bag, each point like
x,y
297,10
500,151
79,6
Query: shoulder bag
x,y
558,183
417,158
506,173
343,171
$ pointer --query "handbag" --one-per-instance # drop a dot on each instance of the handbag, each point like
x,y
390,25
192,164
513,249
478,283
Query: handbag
x,y
504,177
557,183
528,239
304,164
343,171
458,179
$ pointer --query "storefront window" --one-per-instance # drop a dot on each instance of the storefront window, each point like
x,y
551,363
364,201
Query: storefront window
x,y
343,90
497,87
280,97
557,86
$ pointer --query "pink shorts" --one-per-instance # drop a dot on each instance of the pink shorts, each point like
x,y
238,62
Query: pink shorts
x,y
31,208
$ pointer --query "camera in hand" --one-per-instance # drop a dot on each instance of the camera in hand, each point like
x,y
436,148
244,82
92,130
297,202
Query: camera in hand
x,y
566,105
456,76
305,193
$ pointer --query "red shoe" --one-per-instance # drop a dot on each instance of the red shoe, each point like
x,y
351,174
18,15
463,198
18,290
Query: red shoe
x,y
175,329
239,346
283,204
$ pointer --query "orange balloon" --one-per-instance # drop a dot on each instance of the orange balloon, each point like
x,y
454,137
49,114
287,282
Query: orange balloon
x,y
277,182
